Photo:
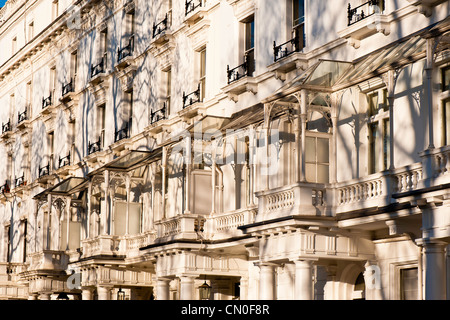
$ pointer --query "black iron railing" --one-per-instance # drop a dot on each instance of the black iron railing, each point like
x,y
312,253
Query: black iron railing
x,y
95,146
191,98
285,49
242,70
191,5
62,162
22,116
6,126
5,188
46,101
99,68
122,133
20,181
161,26
126,51
44,171
364,10
158,115
67,88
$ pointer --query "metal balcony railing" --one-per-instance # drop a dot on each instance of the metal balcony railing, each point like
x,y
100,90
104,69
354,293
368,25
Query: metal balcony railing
x,y
44,171
22,116
364,10
46,101
126,51
158,115
242,70
191,5
161,26
99,68
287,48
123,133
67,88
20,181
62,162
191,98
5,188
95,146
6,126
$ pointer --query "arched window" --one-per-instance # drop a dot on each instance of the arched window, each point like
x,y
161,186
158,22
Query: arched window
x,y
359,292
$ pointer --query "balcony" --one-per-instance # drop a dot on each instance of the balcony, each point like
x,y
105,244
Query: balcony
x,y
308,199
65,161
22,119
226,225
194,11
4,188
161,31
46,104
44,171
185,226
6,130
103,245
191,98
98,71
123,133
20,182
240,79
48,260
288,56
158,115
94,146
125,54
66,91
365,20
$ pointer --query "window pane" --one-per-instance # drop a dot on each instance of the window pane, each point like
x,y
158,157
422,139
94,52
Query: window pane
x,y
322,150
310,172
446,79
386,144
322,173
446,124
373,149
373,104
299,12
310,151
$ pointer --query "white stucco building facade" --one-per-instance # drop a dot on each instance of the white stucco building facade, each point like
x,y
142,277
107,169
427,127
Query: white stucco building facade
x,y
290,149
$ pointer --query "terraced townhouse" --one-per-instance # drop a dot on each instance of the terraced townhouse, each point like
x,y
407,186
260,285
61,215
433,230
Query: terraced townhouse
x,y
225,149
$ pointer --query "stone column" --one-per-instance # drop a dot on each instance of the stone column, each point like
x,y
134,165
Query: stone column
x,y
45,295
86,293
434,267
303,280
104,293
187,288
33,296
267,281
162,289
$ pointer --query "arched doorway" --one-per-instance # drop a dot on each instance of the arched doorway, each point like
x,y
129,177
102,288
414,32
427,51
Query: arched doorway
x,y
359,291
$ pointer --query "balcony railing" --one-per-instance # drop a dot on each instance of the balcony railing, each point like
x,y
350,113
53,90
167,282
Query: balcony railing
x,y
4,188
62,162
6,126
22,116
44,171
126,51
161,26
285,49
364,10
99,68
123,133
46,101
20,181
192,98
191,5
242,70
158,115
95,146
67,88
